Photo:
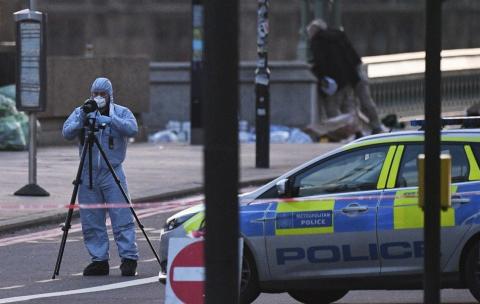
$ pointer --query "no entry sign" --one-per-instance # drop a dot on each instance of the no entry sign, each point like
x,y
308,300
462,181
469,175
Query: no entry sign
x,y
185,271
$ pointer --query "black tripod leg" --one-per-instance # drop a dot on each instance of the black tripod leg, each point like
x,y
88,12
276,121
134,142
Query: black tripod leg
x,y
127,198
68,220
90,178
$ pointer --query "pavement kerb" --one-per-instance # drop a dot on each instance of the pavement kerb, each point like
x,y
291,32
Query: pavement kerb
x,y
60,217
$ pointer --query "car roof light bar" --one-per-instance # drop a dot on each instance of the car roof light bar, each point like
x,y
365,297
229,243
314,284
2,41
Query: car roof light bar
x,y
450,121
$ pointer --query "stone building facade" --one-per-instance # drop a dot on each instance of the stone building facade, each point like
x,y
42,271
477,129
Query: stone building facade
x,y
160,29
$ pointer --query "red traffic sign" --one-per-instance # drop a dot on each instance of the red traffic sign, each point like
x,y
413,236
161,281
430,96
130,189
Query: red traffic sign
x,y
187,274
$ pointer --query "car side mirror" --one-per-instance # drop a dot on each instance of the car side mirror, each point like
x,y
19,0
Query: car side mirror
x,y
282,187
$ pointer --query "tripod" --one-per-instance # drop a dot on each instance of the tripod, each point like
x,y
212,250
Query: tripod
x,y
91,139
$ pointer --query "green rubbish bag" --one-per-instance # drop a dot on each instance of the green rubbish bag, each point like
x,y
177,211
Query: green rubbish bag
x,y
8,91
10,137
14,125
11,134
22,118
7,107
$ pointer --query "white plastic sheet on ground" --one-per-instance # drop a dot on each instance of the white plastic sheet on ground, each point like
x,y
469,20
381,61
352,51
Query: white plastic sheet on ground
x,y
177,131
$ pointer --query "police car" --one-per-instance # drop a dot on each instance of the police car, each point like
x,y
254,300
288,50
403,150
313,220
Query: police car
x,y
350,220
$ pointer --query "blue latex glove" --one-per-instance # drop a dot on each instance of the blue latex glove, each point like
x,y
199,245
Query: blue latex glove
x,y
328,86
102,119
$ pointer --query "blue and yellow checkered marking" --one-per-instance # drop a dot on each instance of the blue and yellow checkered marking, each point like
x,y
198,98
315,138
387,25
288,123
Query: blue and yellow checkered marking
x,y
309,219
408,215
251,219
322,216
304,217
362,222
465,214
400,210
397,211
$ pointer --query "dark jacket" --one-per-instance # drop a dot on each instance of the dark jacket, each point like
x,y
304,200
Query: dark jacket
x,y
335,57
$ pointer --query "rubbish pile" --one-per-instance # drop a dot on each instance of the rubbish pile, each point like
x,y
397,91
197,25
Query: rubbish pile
x,y
283,134
343,127
13,124
176,131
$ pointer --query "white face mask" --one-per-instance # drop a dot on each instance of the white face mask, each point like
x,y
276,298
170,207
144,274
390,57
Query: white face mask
x,y
101,102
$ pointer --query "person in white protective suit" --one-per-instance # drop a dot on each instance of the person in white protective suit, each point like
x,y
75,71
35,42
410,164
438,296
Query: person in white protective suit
x,y
119,124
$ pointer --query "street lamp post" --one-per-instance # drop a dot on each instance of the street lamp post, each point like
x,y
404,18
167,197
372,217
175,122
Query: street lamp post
x,y
196,70
432,151
262,88
221,151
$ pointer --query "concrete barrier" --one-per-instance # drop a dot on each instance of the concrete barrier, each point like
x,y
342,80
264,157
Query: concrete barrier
x,y
398,85
292,93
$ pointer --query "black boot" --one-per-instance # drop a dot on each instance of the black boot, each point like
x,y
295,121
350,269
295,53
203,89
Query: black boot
x,y
128,267
97,268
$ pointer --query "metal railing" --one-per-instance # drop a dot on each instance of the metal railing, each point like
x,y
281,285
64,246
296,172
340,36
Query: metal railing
x,y
397,81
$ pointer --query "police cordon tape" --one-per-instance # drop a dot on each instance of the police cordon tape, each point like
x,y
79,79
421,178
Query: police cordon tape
x,y
48,206
53,206
55,232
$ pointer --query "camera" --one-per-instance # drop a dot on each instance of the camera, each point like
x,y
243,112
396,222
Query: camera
x,y
89,106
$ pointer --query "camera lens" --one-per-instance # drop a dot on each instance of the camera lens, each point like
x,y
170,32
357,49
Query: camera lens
x,y
89,106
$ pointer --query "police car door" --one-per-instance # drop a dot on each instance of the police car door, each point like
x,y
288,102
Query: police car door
x,y
400,220
328,228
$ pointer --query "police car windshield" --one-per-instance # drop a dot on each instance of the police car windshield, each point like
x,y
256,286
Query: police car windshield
x,y
351,171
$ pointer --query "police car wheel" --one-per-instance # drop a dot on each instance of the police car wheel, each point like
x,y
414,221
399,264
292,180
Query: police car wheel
x,y
471,270
317,296
249,287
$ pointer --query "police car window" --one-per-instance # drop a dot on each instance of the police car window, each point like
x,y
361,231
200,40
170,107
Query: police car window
x,y
352,171
408,173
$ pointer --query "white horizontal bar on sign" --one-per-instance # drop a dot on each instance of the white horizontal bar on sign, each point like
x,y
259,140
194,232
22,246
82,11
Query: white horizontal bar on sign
x,y
188,274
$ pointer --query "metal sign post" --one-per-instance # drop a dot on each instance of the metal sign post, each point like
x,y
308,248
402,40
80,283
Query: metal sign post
x,y
433,99
221,151
337,14
196,67
302,47
31,83
319,9
262,87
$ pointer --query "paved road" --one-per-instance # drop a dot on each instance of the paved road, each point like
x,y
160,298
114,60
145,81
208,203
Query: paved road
x,y
28,259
